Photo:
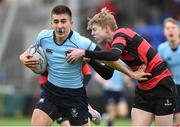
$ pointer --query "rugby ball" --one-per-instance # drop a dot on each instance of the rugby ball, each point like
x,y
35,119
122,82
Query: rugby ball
x,y
38,54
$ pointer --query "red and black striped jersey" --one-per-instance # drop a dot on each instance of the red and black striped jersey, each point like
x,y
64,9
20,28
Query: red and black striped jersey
x,y
86,69
43,78
137,51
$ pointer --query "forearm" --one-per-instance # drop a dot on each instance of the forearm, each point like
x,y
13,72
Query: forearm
x,y
103,55
103,70
117,65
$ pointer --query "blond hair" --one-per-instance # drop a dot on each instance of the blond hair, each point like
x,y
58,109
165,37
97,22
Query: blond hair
x,y
170,20
103,18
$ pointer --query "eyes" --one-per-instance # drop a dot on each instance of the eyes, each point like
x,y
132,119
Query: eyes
x,y
94,29
57,21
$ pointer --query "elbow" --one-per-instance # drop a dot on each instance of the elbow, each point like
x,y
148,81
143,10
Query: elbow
x,y
115,58
108,75
115,55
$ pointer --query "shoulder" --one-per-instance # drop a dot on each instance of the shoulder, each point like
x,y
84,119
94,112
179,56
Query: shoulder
x,y
78,36
45,33
125,32
80,39
163,45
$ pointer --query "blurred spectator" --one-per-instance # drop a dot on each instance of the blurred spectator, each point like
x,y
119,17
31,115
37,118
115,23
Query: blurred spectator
x,y
110,5
169,51
3,77
114,7
115,100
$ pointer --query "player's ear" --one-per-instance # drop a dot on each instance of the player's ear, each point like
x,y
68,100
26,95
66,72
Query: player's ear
x,y
107,28
72,22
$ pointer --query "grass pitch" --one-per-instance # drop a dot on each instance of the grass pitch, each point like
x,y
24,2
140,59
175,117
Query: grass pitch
x,y
26,122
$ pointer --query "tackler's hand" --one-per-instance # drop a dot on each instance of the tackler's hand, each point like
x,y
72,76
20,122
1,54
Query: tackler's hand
x,y
74,54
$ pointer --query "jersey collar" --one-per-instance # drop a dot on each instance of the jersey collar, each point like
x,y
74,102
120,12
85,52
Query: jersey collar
x,y
69,36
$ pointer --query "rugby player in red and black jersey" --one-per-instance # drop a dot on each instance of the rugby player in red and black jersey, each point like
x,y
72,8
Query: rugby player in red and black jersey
x,y
155,97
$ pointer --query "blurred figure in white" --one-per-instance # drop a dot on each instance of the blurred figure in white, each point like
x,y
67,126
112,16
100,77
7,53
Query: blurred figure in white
x,y
169,51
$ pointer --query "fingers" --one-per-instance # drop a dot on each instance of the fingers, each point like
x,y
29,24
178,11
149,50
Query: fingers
x,y
86,59
70,59
144,76
70,49
143,79
147,74
74,55
142,68
32,67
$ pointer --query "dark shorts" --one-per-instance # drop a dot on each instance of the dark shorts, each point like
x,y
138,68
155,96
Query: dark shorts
x,y
114,97
160,100
178,99
64,102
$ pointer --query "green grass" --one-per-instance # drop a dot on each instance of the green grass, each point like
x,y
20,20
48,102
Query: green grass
x,y
14,121
26,122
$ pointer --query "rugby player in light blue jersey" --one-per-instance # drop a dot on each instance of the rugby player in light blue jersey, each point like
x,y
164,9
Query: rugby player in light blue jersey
x,y
64,94
170,52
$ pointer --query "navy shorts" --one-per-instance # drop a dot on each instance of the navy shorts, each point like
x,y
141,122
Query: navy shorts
x,y
161,100
65,102
114,97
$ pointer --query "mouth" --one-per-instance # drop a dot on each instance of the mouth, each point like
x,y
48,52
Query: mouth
x,y
60,30
171,35
95,38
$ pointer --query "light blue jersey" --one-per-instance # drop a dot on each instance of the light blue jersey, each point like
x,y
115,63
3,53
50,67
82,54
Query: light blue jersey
x,y
61,73
172,59
116,81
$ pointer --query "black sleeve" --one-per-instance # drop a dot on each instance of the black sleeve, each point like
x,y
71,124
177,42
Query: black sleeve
x,y
112,55
104,71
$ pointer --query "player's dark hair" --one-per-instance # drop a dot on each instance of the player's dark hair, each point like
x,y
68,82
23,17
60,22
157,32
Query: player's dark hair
x,y
61,9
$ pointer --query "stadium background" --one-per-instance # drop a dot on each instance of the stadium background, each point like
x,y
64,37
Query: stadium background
x,y
21,20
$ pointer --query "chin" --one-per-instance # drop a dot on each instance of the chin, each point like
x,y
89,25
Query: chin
x,y
171,40
60,35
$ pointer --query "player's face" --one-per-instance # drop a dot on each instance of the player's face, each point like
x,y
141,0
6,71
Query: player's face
x,y
171,31
61,24
99,33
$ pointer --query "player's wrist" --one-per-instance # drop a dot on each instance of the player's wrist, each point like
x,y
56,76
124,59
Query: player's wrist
x,y
131,74
83,53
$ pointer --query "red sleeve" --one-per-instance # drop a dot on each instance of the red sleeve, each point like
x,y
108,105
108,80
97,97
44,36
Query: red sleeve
x,y
118,35
43,77
120,40
42,80
108,46
86,69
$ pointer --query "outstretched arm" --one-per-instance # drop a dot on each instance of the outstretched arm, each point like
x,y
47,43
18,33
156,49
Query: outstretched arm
x,y
112,58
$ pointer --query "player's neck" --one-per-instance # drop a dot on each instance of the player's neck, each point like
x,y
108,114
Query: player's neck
x,y
110,36
174,44
60,40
